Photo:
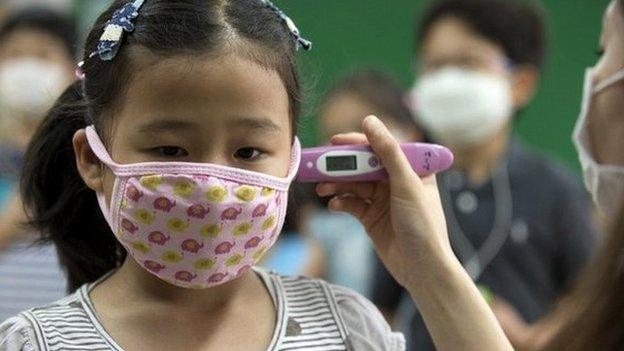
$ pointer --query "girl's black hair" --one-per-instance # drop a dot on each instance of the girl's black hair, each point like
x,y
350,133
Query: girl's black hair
x,y
45,21
57,200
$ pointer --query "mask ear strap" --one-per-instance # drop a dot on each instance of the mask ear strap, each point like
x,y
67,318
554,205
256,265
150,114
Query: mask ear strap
x,y
609,82
295,160
98,148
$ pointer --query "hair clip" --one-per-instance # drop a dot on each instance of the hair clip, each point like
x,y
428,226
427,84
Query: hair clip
x,y
120,23
294,31
79,72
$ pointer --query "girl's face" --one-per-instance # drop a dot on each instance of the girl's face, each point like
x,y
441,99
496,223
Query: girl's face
x,y
226,110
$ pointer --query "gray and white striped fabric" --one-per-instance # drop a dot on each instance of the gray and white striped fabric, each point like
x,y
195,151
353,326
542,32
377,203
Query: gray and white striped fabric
x,y
311,316
307,320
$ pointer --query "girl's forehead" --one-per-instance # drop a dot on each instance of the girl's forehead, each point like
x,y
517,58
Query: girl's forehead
x,y
218,87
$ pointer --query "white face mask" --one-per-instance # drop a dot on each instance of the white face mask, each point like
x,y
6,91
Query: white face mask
x,y
604,182
462,107
28,88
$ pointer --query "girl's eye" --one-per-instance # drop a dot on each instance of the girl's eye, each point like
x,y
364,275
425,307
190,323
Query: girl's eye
x,y
248,153
171,151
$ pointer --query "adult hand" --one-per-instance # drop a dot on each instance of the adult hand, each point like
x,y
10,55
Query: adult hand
x,y
403,216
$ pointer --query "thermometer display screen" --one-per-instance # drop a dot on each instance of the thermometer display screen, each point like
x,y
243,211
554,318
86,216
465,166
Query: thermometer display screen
x,y
341,163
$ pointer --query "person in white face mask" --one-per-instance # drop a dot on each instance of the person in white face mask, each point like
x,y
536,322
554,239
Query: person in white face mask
x,y
591,316
36,65
519,222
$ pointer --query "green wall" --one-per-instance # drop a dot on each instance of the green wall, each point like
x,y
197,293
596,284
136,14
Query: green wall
x,y
364,33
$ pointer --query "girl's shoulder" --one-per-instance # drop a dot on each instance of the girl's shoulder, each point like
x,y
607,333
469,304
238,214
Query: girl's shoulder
x,y
315,306
67,321
17,333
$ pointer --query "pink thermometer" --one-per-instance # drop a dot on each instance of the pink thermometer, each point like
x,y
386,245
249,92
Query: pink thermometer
x,y
358,163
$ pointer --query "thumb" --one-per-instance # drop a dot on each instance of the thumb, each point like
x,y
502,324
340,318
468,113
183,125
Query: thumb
x,y
388,150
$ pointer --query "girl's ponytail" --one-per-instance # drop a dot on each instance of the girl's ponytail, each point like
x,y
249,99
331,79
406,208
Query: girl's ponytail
x,y
57,201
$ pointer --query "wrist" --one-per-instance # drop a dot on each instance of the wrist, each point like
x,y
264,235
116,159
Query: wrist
x,y
435,274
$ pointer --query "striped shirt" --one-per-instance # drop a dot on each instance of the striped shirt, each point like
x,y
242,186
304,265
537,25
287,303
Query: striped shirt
x,y
312,315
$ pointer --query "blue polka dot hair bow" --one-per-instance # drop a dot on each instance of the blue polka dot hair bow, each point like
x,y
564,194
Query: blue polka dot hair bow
x,y
116,27
294,31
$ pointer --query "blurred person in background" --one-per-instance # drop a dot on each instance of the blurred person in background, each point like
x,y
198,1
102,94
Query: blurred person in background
x,y
36,65
348,254
65,7
519,222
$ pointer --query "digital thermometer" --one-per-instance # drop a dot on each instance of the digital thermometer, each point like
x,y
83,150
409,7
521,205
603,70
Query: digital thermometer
x,y
358,163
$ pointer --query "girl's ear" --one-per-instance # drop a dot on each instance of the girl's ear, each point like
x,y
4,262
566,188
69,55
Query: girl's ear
x,y
89,166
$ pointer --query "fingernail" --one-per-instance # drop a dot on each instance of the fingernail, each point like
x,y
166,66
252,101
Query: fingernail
x,y
375,125
371,119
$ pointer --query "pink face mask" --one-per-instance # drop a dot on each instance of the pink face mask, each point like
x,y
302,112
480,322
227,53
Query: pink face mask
x,y
194,225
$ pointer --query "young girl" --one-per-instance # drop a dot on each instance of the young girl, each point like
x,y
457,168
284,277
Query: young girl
x,y
162,177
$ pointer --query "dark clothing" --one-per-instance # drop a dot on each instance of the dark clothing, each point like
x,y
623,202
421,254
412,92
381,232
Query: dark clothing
x,y
10,162
544,241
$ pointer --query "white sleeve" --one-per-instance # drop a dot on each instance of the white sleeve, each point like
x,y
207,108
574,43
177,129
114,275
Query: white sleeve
x,y
17,334
367,328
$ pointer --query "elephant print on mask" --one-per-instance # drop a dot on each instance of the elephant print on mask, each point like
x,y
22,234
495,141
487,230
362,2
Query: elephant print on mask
x,y
231,213
260,211
191,245
185,276
224,247
153,266
158,238
197,211
134,194
128,226
164,204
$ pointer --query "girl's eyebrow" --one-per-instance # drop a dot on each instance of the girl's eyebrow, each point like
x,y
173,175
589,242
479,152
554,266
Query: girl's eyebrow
x,y
165,125
260,124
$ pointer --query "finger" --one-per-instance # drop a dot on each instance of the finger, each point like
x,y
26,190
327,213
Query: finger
x,y
349,204
388,150
349,139
363,190
430,180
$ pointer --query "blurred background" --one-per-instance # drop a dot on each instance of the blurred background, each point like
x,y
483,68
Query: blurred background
x,y
353,34
350,34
